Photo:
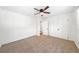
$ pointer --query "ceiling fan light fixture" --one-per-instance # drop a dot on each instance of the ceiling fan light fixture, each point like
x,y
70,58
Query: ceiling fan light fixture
x,y
42,11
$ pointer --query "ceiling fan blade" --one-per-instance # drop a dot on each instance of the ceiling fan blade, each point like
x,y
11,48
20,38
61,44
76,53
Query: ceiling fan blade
x,y
46,8
36,9
36,13
47,12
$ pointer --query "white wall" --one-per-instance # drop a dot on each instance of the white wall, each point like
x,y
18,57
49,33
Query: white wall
x,y
15,26
38,25
63,26
77,31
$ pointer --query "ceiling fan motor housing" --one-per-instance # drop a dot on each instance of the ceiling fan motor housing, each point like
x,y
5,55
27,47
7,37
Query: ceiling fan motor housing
x,y
41,10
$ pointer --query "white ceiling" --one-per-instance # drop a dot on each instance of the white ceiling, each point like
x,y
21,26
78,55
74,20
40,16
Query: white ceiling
x,y
29,11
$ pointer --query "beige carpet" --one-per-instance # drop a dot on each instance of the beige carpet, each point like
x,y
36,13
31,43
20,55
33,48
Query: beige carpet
x,y
40,44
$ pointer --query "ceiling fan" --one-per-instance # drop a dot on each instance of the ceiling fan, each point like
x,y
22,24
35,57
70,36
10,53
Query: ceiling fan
x,y
42,11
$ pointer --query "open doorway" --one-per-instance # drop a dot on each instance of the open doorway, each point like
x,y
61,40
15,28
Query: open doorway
x,y
44,27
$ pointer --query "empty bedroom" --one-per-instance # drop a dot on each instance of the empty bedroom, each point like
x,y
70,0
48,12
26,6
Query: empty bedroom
x,y
39,29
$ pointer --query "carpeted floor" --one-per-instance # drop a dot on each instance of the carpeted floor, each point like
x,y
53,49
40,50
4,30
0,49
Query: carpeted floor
x,y
40,44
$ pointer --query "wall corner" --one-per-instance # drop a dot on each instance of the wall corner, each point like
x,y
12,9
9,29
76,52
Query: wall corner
x,y
77,43
0,45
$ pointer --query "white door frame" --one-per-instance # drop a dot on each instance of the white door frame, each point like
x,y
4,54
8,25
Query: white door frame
x,y
39,26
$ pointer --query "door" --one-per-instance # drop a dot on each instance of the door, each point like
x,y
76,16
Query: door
x,y
45,27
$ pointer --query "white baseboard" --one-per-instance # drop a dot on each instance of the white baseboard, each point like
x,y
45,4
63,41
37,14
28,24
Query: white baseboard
x,y
77,43
38,34
19,38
